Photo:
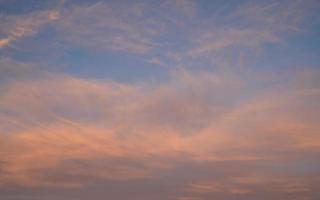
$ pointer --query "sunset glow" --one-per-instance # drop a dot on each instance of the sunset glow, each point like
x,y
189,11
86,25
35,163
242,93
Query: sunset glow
x,y
159,100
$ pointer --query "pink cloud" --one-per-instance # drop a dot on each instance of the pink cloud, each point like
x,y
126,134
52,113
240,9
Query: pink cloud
x,y
51,129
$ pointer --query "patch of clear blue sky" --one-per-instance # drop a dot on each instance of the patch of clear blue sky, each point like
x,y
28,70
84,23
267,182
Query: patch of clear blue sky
x,y
298,52
111,65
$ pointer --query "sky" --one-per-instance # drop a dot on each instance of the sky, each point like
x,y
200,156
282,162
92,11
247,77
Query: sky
x,y
159,100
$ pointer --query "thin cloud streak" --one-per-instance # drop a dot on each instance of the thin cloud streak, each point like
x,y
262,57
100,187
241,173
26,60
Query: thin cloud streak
x,y
18,27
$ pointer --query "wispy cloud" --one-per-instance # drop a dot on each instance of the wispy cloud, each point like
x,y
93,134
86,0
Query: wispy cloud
x,y
112,26
70,123
250,26
249,185
197,127
15,27
217,41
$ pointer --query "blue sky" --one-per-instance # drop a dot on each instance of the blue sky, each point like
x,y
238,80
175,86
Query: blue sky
x,y
172,99
281,44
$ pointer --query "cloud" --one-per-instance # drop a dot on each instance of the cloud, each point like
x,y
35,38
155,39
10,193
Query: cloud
x,y
197,134
223,39
70,131
15,27
247,29
105,26
111,26
250,184
4,42
284,16
188,8
144,28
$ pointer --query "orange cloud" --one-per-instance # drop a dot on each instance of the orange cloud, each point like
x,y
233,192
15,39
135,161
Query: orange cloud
x,y
249,184
71,127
